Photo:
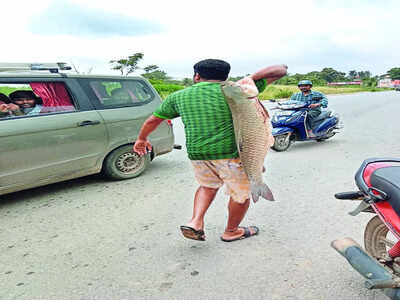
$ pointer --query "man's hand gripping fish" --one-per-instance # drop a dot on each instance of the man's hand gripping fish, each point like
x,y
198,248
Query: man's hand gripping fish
x,y
253,129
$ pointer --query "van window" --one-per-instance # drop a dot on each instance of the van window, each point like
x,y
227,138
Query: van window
x,y
117,93
33,99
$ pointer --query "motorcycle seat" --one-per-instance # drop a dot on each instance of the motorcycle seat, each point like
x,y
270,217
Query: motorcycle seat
x,y
388,180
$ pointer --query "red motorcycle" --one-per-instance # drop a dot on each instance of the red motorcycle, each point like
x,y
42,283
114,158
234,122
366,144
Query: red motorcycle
x,y
378,181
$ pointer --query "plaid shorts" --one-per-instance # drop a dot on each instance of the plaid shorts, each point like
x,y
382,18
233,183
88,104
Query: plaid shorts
x,y
215,173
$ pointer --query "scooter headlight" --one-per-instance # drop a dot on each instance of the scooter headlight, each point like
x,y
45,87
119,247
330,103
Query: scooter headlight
x,y
280,117
293,117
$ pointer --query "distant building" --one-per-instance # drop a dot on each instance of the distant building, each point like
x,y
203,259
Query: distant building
x,y
388,83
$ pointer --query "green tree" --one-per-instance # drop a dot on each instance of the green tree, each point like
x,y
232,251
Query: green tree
x,y
394,73
150,68
127,65
187,82
370,82
156,75
315,78
364,74
288,80
352,74
331,75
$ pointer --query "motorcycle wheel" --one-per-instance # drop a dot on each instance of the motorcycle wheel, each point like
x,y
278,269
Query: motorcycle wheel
x,y
376,240
282,142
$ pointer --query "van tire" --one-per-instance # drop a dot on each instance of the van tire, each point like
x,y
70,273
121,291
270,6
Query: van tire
x,y
123,163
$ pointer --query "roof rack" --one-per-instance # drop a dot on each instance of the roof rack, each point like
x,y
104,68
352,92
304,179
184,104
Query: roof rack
x,y
51,67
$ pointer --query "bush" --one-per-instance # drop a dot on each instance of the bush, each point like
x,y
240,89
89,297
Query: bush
x,y
165,89
282,93
278,92
155,81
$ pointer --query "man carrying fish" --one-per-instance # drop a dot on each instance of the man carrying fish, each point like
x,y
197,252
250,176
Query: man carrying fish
x,y
214,146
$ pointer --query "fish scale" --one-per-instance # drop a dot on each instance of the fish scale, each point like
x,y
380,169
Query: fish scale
x,y
253,136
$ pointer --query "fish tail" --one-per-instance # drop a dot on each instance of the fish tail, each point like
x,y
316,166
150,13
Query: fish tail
x,y
261,190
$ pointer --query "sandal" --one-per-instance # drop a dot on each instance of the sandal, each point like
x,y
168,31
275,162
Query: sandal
x,y
193,234
247,233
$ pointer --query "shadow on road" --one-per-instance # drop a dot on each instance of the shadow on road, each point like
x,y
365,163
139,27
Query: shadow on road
x,y
313,145
158,167
45,190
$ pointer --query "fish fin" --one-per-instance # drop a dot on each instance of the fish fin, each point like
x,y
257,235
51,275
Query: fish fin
x,y
261,190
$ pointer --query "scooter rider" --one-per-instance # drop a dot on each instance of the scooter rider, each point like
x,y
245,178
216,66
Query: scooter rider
x,y
316,99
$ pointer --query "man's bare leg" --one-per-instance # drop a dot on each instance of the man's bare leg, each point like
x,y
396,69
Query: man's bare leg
x,y
202,201
237,211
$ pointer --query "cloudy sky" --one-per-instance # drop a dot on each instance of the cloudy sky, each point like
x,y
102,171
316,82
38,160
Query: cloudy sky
x,y
307,35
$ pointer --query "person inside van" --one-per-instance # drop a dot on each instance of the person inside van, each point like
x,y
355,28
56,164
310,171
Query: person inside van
x,y
3,105
4,99
27,101
8,109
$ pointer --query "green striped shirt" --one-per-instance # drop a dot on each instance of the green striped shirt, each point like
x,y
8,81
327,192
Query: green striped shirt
x,y
207,120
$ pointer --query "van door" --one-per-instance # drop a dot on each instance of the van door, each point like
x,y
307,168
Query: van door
x,y
125,103
50,147
44,149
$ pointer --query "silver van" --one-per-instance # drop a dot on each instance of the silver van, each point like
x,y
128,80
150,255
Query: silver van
x,y
56,126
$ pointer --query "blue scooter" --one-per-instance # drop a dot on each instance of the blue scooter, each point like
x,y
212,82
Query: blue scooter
x,y
289,124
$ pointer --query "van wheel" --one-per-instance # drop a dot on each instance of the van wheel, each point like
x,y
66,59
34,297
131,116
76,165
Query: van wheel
x,y
122,163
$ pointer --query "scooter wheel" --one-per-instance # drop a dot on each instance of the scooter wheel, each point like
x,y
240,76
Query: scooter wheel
x,y
327,135
282,142
376,240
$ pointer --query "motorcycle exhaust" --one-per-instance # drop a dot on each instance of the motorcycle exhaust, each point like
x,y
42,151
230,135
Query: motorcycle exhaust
x,y
377,276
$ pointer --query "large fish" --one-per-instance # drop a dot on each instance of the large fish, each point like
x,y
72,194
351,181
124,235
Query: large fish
x,y
253,132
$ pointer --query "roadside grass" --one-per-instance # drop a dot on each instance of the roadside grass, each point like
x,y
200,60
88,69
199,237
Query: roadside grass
x,y
285,91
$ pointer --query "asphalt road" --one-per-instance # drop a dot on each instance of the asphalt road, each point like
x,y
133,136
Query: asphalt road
x,y
90,238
